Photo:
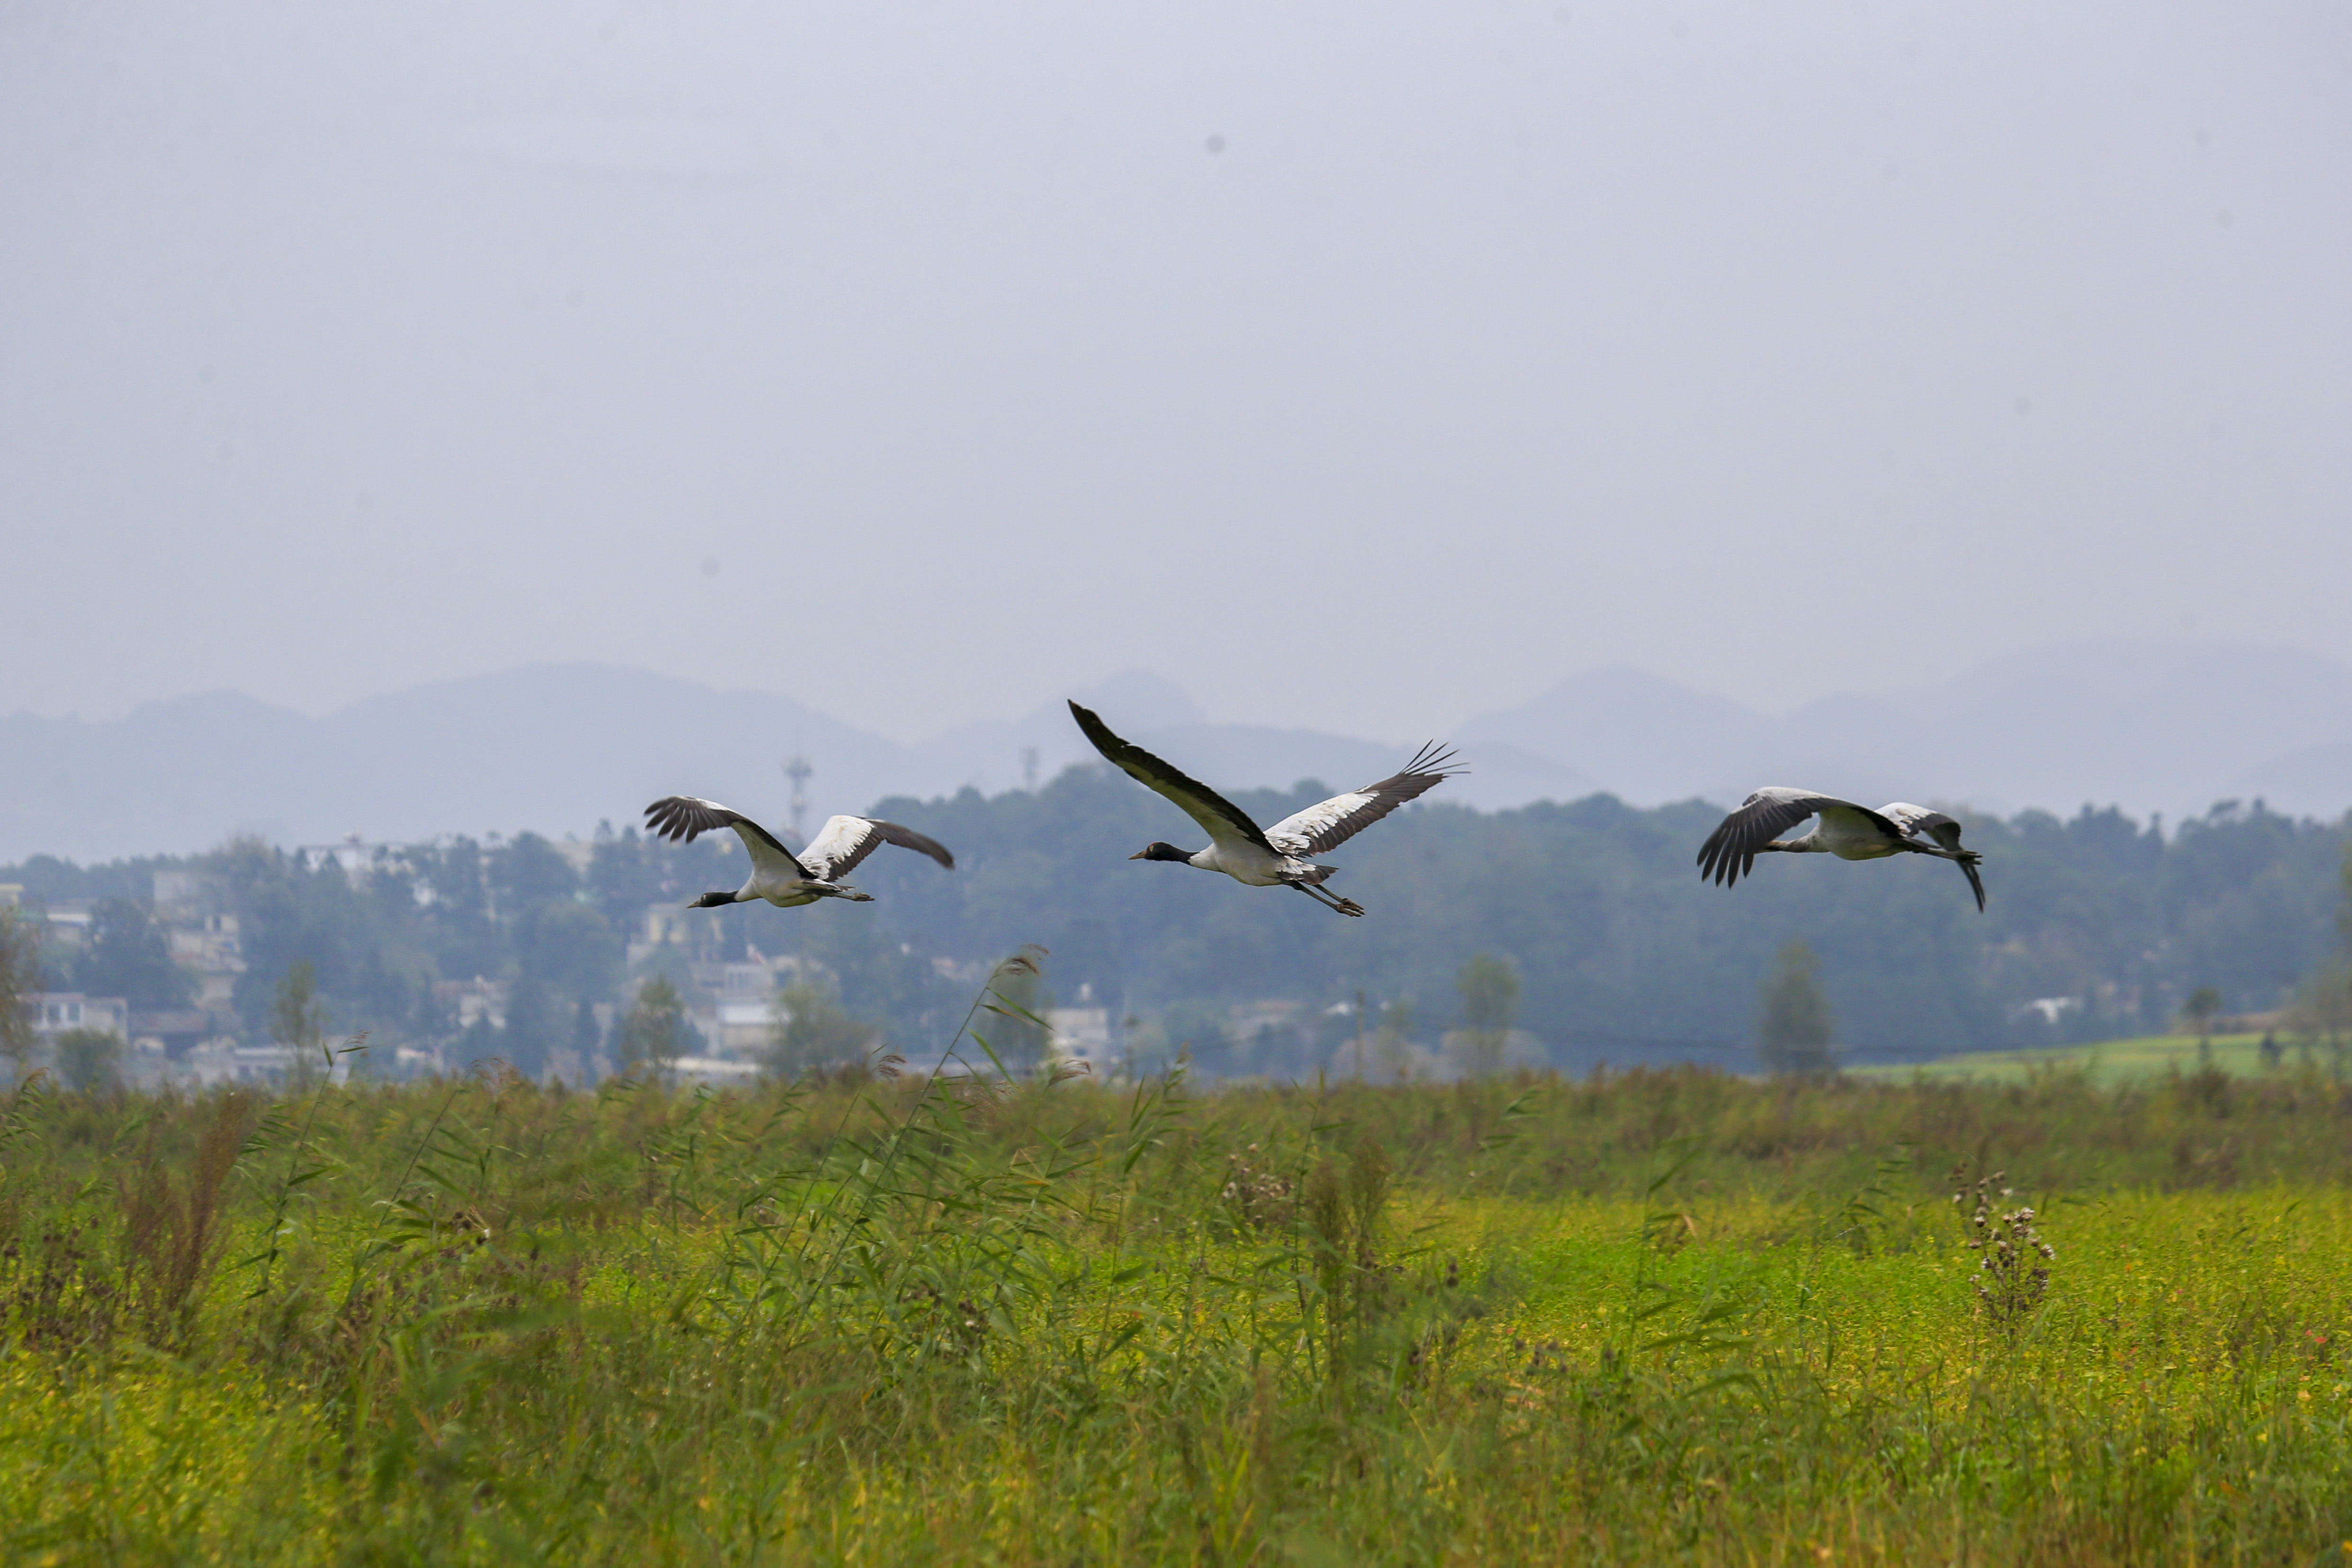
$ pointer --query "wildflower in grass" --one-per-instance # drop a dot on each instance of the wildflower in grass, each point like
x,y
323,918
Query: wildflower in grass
x,y
1257,1196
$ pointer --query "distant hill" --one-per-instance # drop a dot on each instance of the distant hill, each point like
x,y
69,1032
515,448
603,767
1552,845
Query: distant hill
x,y
2155,726
568,745
559,748
2169,727
1157,712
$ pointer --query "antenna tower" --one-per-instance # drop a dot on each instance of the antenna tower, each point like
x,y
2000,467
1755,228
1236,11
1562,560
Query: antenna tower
x,y
797,769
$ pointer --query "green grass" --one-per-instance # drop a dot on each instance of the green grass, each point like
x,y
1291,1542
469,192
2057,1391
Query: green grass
x,y
1659,1317
2119,1061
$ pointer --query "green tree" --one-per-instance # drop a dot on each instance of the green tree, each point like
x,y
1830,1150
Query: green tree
x,y
2344,900
622,877
298,1020
817,1032
586,1037
655,1032
88,1058
880,975
531,1030
2323,1004
1193,1027
20,980
2203,1004
2323,1010
130,957
572,948
1489,988
527,871
1392,1041
1794,1027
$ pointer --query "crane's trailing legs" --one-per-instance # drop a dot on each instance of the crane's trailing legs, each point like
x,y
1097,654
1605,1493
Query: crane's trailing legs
x,y
1329,901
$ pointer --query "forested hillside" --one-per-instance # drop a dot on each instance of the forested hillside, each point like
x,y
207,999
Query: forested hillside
x,y
1623,953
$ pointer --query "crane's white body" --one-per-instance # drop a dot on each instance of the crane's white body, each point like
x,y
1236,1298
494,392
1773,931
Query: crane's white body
x,y
785,891
1276,857
1257,865
788,880
777,876
1841,827
1845,831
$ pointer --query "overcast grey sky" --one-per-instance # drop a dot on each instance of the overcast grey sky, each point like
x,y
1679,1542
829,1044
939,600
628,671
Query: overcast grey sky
x,y
1362,366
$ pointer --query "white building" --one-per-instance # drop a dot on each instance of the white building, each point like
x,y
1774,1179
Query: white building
x,y
474,998
358,857
55,1012
1081,1037
70,920
719,1072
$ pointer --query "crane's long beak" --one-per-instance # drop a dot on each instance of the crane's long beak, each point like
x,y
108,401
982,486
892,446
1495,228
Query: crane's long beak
x,y
1140,855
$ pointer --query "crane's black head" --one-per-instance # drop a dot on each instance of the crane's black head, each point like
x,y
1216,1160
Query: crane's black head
x,y
1158,851
711,901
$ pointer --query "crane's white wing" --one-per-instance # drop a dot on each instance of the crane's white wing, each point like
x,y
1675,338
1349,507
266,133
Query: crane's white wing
x,y
1729,852
1919,822
1922,822
1330,824
682,818
1225,822
844,841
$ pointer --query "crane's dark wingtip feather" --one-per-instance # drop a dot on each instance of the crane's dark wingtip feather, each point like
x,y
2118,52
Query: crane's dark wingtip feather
x,y
668,820
905,838
1434,757
1097,733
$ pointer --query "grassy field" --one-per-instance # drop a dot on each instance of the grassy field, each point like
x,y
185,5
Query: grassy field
x,y
2122,1061
1666,1316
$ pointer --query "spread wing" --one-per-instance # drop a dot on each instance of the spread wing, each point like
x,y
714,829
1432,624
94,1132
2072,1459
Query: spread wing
x,y
844,841
1729,852
1333,822
682,818
1921,823
1225,822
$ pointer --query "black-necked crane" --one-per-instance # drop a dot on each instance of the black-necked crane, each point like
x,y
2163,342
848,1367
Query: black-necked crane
x,y
1276,857
1848,831
779,875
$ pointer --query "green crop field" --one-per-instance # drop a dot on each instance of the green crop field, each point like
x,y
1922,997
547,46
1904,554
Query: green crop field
x,y
1660,1316
2123,1061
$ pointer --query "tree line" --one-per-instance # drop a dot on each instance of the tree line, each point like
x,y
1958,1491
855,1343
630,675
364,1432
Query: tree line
x,y
1612,947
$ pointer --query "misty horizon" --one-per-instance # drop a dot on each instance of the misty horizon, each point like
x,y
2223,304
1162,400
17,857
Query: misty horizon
x,y
916,363
2156,728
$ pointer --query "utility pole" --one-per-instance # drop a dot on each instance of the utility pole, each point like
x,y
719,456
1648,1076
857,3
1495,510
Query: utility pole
x,y
1029,769
798,771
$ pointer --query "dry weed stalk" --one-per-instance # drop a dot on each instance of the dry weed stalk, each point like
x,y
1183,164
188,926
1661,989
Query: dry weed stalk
x,y
2012,1275
171,1239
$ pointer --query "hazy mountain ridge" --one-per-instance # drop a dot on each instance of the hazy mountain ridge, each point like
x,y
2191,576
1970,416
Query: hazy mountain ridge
x,y
2150,726
2153,726
559,748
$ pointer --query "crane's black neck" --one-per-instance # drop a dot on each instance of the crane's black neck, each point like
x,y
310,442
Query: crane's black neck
x,y
1163,851
711,901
